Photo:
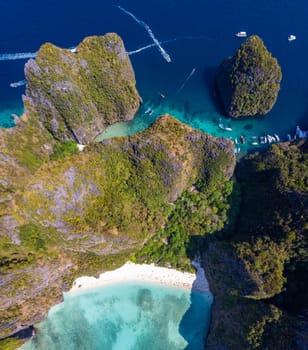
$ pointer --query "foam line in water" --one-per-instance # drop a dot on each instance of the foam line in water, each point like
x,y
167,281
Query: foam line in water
x,y
24,55
18,83
186,80
17,56
149,46
148,29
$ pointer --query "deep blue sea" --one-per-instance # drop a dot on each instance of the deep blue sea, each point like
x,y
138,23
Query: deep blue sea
x,y
205,35
126,316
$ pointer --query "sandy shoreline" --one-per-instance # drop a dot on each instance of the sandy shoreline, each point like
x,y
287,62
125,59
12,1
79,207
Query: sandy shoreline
x,y
146,273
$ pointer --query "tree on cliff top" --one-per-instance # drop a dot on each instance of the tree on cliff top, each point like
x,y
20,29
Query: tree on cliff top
x,y
249,82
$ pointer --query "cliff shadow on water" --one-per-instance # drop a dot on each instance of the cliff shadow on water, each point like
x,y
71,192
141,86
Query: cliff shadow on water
x,y
194,325
209,77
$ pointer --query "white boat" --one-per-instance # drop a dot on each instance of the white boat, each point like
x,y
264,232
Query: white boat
x,y
148,111
277,137
291,37
255,143
241,34
227,128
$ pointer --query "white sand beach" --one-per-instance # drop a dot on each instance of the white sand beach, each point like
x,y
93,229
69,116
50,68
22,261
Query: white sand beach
x,y
147,273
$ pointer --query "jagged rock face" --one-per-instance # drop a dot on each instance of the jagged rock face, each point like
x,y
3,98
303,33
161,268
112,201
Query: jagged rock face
x,y
248,83
71,214
77,94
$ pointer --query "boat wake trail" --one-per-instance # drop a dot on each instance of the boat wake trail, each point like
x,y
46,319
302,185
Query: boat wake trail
x,y
17,56
149,46
148,29
186,80
18,83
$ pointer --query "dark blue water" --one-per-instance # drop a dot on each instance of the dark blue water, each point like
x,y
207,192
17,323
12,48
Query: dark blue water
x,y
205,36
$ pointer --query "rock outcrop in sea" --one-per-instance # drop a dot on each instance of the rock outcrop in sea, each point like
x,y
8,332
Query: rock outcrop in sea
x,y
248,83
76,95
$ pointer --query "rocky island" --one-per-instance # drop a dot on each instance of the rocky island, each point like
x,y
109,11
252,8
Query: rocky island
x,y
76,95
248,82
161,196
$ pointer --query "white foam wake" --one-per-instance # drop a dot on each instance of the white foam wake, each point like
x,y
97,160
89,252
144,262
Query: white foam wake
x,y
17,56
148,29
18,83
149,46
186,80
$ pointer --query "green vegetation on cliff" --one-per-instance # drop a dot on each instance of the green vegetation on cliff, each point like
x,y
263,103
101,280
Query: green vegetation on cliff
x,y
76,95
81,213
257,276
249,82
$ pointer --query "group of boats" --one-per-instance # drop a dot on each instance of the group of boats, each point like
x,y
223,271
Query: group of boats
x,y
269,139
291,37
149,111
226,128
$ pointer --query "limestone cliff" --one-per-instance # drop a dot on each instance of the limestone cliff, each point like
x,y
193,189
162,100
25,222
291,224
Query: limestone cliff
x,y
90,210
257,275
248,83
77,94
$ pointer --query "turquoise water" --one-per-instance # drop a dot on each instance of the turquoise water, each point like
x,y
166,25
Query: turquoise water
x,y
130,316
199,34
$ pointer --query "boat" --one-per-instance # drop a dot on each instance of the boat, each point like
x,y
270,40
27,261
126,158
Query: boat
x,y
270,138
291,37
227,128
242,138
241,34
277,137
148,111
152,111
236,141
255,143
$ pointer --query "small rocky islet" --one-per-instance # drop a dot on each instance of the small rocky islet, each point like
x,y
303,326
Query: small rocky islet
x,y
160,196
248,82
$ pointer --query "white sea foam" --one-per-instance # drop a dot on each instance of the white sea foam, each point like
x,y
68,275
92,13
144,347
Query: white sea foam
x,y
17,56
149,46
151,34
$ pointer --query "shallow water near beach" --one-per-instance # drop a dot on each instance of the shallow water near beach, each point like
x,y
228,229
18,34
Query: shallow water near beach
x,y
130,316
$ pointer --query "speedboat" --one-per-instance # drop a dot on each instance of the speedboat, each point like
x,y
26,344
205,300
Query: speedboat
x,y
291,37
241,34
227,128
148,111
